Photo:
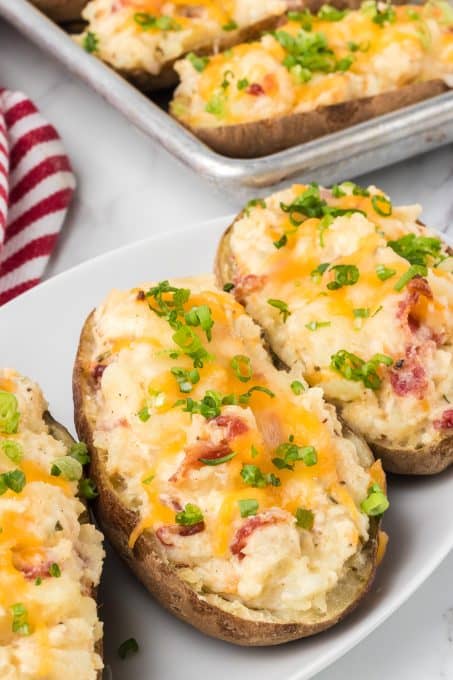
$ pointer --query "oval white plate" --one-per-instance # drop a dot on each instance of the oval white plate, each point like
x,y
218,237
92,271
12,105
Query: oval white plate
x,y
39,335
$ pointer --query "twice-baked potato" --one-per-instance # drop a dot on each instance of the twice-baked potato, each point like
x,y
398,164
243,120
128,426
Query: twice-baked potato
x,y
230,488
142,38
316,75
51,555
357,294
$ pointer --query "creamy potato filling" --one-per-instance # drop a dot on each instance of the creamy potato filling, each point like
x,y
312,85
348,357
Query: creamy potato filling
x,y
143,35
314,61
362,303
49,562
240,469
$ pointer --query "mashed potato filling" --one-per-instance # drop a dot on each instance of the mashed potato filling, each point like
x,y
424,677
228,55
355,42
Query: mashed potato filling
x,y
314,61
50,562
359,280
240,470
143,35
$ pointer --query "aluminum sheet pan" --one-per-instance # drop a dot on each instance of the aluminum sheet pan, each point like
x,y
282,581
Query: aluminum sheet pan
x,y
351,152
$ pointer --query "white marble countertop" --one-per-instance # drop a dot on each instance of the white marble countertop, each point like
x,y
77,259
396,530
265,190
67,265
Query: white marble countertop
x,y
127,188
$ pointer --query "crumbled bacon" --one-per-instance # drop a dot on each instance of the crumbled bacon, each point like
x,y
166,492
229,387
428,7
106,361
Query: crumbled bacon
x,y
234,426
255,89
445,422
190,11
166,533
34,571
97,372
244,285
416,288
246,530
407,376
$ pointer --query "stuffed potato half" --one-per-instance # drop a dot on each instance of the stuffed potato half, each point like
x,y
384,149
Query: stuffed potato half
x,y
142,38
230,488
316,74
51,556
358,294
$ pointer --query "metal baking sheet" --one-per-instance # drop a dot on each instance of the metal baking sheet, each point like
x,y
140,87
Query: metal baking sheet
x,y
351,152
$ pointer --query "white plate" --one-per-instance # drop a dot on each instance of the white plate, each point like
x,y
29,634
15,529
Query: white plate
x,y
38,336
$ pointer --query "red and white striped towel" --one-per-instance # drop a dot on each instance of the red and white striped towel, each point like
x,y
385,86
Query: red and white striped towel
x,y
36,187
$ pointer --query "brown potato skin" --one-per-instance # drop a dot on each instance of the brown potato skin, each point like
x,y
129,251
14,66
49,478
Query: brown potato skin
x,y
61,10
149,563
58,431
260,138
428,460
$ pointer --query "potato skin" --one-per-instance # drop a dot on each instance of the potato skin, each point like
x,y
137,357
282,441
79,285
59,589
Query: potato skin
x,y
149,563
428,460
59,432
61,10
260,138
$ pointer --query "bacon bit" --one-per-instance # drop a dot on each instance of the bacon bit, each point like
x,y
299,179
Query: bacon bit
x,y
408,376
205,448
255,89
446,420
190,11
245,285
141,296
32,572
97,372
165,533
234,426
416,288
246,530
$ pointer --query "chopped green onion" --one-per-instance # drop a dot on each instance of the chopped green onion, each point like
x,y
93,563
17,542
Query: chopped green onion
x,y
54,570
13,480
90,42
413,271
186,378
189,516
79,451
144,414
228,287
254,203
9,413
314,325
217,461
383,273
281,306
345,275
361,312
297,387
417,249
66,466
376,503
304,518
147,21
242,367
381,205
12,450
20,619
248,507
87,489
352,367
253,476
128,647
199,63
282,241
230,26
242,84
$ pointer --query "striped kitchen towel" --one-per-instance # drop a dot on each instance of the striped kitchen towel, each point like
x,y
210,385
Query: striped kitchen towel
x,y
36,187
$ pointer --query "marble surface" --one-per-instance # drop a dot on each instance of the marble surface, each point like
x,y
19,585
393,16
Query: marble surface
x,y
127,189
